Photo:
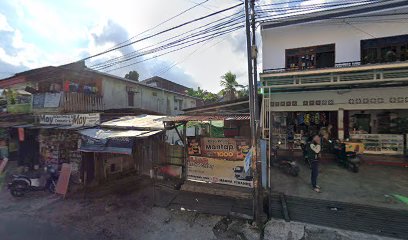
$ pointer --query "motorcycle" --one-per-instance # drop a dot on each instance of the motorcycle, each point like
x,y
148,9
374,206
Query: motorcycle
x,y
288,166
346,159
22,184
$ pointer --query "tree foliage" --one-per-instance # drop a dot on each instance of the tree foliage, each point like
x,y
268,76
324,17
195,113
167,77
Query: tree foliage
x,y
132,75
206,96
229,82
230,87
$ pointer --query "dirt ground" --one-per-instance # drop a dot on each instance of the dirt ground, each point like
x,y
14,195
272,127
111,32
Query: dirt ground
x,y
118,215
372,185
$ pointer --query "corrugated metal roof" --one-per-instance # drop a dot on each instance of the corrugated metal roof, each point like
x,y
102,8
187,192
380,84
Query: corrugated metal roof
x,y
184,118
105,134
148,134
144,121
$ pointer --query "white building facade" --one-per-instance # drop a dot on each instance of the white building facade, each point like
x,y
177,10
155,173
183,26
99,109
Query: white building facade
x,y
345,70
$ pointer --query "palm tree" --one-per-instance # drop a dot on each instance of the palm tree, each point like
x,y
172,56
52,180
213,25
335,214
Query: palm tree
x,y
229,82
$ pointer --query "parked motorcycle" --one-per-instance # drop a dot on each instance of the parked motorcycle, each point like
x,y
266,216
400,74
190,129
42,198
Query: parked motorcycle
x,y
287,166
22,184
346,159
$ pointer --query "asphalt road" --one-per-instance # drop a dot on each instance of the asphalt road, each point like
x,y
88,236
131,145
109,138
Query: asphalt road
x,y
22,228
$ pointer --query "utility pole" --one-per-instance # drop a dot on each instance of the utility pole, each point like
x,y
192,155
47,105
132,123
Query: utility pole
x,y
257,203
258,167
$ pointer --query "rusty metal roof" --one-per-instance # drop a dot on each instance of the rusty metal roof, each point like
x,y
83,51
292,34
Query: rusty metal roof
x,y
185,118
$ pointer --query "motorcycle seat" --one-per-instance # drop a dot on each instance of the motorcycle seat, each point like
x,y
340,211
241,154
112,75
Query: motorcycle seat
x,y
19,176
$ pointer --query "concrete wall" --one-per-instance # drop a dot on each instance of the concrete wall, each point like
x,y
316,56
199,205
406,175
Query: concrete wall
x,y
115,96
345,36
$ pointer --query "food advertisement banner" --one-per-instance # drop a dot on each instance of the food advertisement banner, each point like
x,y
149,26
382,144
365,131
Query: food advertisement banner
x,y
228,148
221,171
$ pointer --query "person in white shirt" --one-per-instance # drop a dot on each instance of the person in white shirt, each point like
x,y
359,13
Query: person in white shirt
x,y
315,149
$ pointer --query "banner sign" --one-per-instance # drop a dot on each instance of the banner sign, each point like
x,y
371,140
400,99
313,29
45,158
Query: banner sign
x,y
52,100
228,148
76,120
119,145
333,100
218,171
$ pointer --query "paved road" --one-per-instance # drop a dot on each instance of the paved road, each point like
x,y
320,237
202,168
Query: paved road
x,y
12,228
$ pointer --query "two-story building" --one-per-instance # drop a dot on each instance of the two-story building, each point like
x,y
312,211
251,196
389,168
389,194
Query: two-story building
x,y
341,73
59,101
344,70
76,88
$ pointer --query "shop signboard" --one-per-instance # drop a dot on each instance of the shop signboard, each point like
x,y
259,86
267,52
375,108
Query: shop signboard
x,y
333,100
38,100
52,100
216,170
228,148
87,120
76,120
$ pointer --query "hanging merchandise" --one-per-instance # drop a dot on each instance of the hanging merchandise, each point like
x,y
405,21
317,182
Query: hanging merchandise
x,y
317,118
301,118
21,134
66,86
323,118
307,119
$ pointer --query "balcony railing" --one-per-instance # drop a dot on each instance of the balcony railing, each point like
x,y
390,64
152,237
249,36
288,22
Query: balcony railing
x,y
67,102
80,102
344,74
337,65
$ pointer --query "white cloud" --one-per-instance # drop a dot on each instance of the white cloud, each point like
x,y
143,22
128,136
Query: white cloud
x,y
4,25
72,27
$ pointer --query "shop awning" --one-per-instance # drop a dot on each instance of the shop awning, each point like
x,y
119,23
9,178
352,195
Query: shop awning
x,y
186,118
111,141
141,122
105,134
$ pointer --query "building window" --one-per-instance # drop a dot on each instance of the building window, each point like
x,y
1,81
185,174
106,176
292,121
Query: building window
x,y
154,94
131,99
178,104
387,49
322,56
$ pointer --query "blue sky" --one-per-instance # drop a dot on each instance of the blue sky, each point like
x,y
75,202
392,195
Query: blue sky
x,y
49,32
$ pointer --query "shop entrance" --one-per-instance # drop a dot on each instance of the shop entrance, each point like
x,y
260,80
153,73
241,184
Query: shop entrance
x,y
289,129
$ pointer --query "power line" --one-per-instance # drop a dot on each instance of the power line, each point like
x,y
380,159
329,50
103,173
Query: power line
x,y
189,55
161,32
173,44
134,54
183,47
276,17
160,24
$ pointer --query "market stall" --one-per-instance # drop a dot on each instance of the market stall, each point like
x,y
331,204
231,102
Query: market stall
x,y
215,156
381,131
130,144
289,129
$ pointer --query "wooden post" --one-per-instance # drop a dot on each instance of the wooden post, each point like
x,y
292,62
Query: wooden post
x,y
185,150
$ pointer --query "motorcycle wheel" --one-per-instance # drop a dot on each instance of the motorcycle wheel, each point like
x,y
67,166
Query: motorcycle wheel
x,y
354,168
18,189
295,171
51,187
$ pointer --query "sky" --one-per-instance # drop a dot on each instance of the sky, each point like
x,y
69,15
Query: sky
x,y
47,32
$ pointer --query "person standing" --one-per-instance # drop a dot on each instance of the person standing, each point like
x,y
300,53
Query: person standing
x,y
315,149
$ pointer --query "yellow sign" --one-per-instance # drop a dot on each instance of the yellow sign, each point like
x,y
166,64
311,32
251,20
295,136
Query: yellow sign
x,y
228,148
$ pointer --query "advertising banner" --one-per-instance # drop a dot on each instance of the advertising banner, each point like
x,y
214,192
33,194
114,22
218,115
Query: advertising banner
x,y
77,120
228,148
218,171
